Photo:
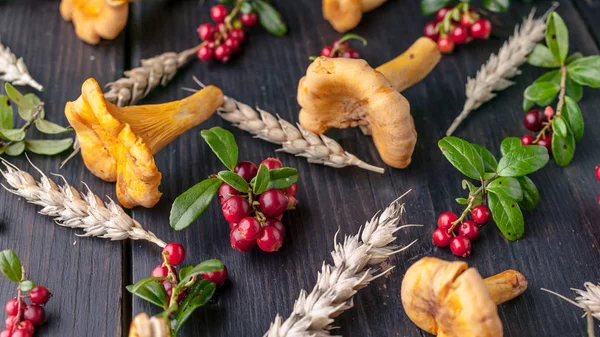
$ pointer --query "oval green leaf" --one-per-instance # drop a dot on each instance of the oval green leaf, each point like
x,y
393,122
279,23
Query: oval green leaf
x,y
151,290
572,114
10,265
207,266
234,180
15,135
523,161
282,178
6,113
269,18
17,97
507,216
541,92
563,149
531,196
489,161
506,187
15,149
508,144
26,285
429,7
573,88
50,128
28,112
560,126
198,295
49,147
463,156
223,145
557,37
192,203
261,182
541,56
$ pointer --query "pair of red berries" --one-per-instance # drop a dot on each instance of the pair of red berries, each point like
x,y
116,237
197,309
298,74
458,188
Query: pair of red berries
x,y
340,49
534,121
23,317
459,237
461,32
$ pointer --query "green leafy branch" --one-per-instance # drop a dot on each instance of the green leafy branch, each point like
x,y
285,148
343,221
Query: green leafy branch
x,y
429,7
268,16
13,140
503,184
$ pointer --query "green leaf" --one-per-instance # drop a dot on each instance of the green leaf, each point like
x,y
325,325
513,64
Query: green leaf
x,y
560,126
10,265
509,144
472,188
192,203
151,290
198,295
6,113
50,128
592,62
17,97
489,161
506,187
572,114
507,215
223,145
541,56
246,7
584,75
573,57
15,149
551,76
523,161
531,196
16,135
227,2
527,104
463,155
462,201
27,112
429,7
282,178
261,182
234,180
573,88
184,272
49,147
557,37
269,18
541,92
202,268
563,149
26,285
496,5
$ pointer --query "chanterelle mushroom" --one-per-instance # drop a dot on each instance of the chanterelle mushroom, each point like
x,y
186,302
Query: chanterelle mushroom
x,y
346,14
118,144
449,299
96,19
144,326
342,93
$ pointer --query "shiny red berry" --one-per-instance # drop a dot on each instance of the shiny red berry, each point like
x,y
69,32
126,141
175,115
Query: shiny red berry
x,y
12,306
481,214
469,229
354,54
249,228
232,44
161,271
430,32
468,19
240,244
175,253
291,191
270,240
533,120
527,140
481,29
5,333
218,277
446,219
226,192
21,333
235,209
273,202
218,13
222,53
441,238
206,32
222,28
35,314
441,13
273,222
246,169
238,34
459,34
445,45
11,321
205,53
326,51
461,246
598,172
168,288
26,326
249,19
272,163
546,141
39,295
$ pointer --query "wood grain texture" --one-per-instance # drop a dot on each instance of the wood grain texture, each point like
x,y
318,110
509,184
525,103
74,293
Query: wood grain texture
x,y
559,250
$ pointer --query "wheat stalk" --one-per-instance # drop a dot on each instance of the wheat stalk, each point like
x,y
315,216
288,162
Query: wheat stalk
x,y
74,209
588,300
314,312
14,70
495,74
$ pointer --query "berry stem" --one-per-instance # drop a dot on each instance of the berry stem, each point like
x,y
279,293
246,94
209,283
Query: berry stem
x,y
481,190
19,293
233,13
559,105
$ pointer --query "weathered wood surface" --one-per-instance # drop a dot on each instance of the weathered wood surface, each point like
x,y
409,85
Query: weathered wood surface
x,y
559,250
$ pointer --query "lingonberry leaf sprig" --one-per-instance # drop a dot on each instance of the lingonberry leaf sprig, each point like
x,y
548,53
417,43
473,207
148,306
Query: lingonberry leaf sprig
x,y
560,128
503,187
23,317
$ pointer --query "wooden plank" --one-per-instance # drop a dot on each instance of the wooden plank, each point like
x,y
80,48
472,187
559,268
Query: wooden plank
x,y
590,12
83,273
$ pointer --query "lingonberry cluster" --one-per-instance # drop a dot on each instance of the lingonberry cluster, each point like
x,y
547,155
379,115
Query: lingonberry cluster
x,y
458,233
255,219
456,25
341,47
22,317
538,121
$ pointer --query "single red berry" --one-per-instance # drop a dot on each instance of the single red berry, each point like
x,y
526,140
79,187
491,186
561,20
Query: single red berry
x,y
206,32
598,172
205,53
222,28
35,314
249,228
21,333
235,209
291,191
168,289
160,271
441,237
226,192
246,169
249,19
533,120
218,13
11,321
218,277
270,240
175,253
548,112
354,54
468,19
240,244
5,333
273,202
326,51
481,29
527,140
232,43
469,229
273,222
238,34
272,163
546,140
222,53
441,13
481,214
12,306
39,295
461,246
446,219
459,34
445,45
26,326
430,32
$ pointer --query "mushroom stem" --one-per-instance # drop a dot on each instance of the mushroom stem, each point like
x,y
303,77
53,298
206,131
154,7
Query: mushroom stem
x,y
412,65
505,286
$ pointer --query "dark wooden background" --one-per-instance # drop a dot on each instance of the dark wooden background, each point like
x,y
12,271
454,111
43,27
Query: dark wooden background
x,y
560,248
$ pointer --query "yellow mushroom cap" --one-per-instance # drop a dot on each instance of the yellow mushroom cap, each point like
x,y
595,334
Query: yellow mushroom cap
x,y
95,19
342,14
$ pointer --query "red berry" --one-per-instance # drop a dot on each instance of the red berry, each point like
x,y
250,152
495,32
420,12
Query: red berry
x,y
222,53
270,240
218,277
445,45
39,295
5,333
481,214
273,202
232,225
222,28
548,112
205,53
161,271
354,54
35,314
175,253
272,163
232,44
238,34
598,172
249,228
21,333
275,223
206,32
446,219
218,13
533,120
168,289
481,29
469,229
12,306
246,169
546,141
326,51
226,192
468,19
235,209
461,246
441,238
26,326
249,19
527,140
291,191
459,34
11,321
441,13
429,31
240,244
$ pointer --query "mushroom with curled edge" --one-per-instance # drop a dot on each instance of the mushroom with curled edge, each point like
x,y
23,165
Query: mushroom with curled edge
x,y
344,15
96,19
119,143
449,299
342,93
